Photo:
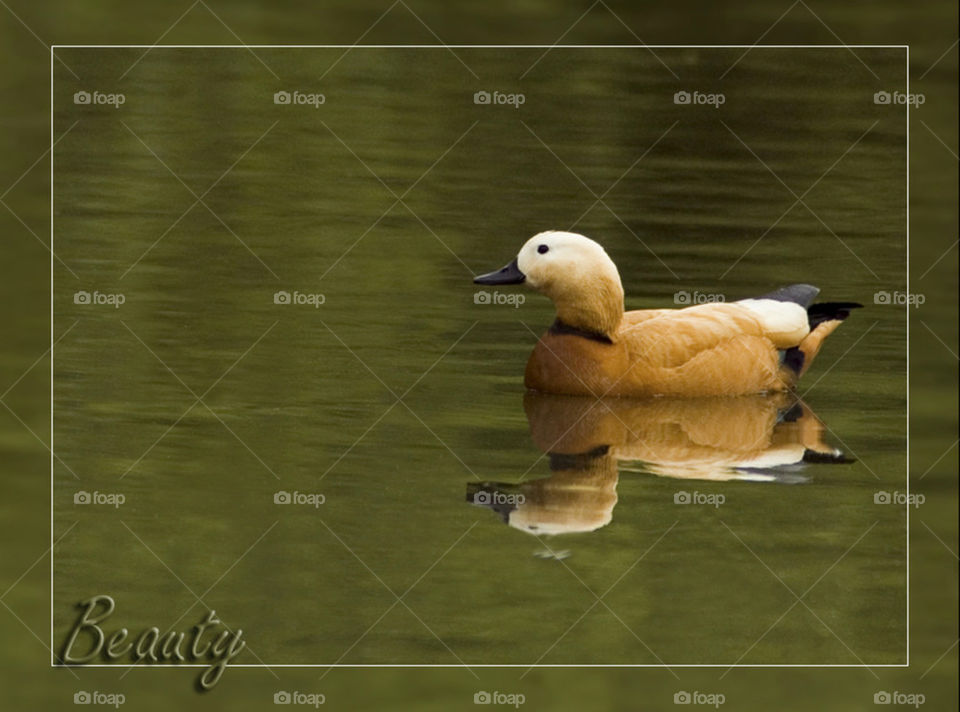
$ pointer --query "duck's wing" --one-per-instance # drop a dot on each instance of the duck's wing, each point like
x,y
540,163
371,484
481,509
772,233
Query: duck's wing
x,y
802,294
632,318
675,336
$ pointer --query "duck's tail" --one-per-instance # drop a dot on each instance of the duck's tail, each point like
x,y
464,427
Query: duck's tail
x,y
823,318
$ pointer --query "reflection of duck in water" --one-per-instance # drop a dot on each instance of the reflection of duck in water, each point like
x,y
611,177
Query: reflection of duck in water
x,y
746,438
578,496
754,345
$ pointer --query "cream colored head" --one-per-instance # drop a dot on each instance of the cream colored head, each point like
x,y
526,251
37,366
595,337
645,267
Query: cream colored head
x,y
578,275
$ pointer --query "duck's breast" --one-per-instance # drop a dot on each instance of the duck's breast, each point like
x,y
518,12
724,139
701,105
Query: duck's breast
x,y
575,365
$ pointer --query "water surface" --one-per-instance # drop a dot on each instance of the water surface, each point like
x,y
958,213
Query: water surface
x,y
201,397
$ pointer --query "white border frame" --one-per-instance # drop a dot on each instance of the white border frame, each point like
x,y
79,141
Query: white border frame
x,y
905,47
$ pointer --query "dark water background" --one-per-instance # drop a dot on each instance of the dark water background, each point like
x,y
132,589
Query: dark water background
x,y
304,410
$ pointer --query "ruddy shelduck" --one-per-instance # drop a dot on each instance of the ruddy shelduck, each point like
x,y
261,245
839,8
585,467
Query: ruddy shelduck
x,y
757,345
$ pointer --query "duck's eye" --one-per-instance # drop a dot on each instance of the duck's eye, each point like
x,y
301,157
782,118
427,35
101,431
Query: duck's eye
x,y
542,249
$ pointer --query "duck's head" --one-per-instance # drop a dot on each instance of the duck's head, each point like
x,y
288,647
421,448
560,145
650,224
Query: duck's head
x,y
575,272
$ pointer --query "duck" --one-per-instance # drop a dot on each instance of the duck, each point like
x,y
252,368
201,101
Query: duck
x,y
594,347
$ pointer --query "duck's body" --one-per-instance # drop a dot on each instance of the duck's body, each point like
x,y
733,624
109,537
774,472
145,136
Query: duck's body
x,y
706,350
595,348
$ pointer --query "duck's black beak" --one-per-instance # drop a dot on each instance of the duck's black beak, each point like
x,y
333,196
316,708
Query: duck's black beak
x,y
510,274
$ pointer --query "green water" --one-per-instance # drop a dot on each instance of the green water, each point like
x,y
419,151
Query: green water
x,y
304,398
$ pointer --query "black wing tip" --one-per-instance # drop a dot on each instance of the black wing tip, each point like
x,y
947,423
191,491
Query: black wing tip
x,y
802,294
830,311
826,458
838,305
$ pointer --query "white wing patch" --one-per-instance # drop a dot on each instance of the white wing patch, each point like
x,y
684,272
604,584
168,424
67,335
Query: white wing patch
x,y
784,323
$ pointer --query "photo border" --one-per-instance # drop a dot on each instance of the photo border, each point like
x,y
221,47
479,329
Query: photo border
x,y
906,47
